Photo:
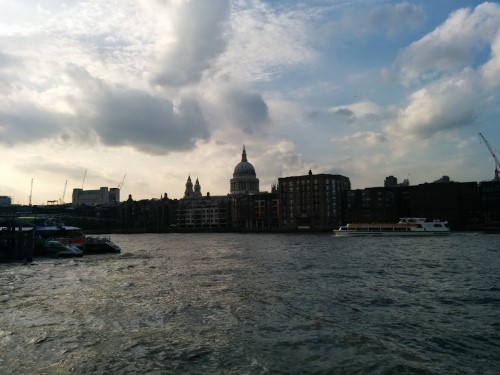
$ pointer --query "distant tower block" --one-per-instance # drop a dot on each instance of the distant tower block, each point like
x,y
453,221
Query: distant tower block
x,y
390,181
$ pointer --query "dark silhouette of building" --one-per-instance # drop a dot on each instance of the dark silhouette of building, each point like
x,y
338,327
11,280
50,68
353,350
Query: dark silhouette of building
x,y
456,202
147,215
312,201
390,181
256,211
490,204
379,204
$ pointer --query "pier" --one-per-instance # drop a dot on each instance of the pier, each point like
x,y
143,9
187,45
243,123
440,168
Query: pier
x,y
16,242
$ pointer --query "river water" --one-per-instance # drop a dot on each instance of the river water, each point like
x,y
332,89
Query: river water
x,y
257,304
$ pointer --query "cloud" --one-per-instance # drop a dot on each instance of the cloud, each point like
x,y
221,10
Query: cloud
x,y
25,123
264,42
452,46
443,105
388,19
132,117
364,138
116,115
199,38
245,110
149,124
454,75
490,72
359,111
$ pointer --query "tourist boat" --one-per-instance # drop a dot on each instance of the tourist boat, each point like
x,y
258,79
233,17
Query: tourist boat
x,y
56,248
48,229
407,226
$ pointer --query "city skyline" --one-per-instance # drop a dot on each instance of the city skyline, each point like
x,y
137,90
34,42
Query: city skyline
x,y
162,90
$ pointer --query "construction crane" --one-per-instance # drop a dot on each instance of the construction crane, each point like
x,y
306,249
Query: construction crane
x,y
123,180
64,193
84,176
497,164
31,190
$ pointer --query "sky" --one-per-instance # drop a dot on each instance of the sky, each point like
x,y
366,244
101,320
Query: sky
x,y
158,90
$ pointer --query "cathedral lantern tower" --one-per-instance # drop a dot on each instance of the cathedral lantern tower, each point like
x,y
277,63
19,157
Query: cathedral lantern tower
x,y
244,179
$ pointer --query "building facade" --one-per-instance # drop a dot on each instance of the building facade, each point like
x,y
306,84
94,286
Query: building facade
x,y
102,196
489,192
312,201
147,215
256,211
198,212
379,204
5,201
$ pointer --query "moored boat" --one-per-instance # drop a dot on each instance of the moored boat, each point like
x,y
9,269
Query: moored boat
x,y
407,226
56,248
48,229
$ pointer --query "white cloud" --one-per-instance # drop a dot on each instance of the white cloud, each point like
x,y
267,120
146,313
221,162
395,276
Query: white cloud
x,y
264,42
446,104
359,110
364,138
199,38
387,19
452,46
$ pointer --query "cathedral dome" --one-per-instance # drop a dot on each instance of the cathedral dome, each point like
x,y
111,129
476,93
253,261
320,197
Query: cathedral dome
x,y
244,168
244,179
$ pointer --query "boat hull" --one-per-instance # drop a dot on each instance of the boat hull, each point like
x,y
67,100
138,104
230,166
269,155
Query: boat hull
x,y
407,226
349,233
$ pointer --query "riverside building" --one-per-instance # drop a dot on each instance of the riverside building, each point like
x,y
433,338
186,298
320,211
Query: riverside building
x,y
102,196
312,201
196,211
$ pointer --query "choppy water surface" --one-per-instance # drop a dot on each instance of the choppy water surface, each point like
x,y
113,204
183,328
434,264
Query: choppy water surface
x,y
257,304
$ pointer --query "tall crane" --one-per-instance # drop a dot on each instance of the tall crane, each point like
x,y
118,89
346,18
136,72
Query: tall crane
x,y
84,176
31,190
497,164
123,180
64,192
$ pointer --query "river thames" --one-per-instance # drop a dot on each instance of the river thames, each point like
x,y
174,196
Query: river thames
x,y
257,304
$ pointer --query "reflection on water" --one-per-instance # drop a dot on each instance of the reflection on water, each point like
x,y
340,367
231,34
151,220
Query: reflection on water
x,y
253,304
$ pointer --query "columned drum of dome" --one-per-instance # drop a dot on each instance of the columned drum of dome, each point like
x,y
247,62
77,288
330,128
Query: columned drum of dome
x,y
244,179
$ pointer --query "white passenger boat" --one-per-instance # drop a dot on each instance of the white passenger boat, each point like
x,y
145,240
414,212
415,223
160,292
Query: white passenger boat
x,y
407,226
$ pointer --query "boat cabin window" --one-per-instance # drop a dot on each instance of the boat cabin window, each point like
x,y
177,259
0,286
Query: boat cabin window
x,y
438,226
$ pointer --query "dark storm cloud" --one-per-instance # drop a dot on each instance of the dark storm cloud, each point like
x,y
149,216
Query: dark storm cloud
x,y
200,29
248,111
117,116
25,123
135,118
344,112
149,124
